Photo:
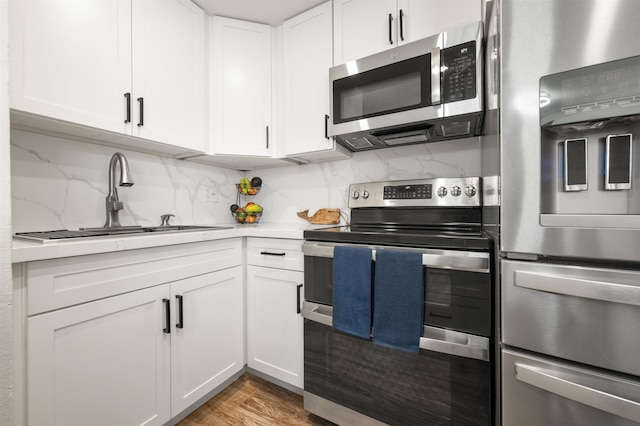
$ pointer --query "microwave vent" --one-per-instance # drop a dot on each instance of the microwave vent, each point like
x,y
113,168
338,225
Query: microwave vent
x,y
455,128
405,138
360,142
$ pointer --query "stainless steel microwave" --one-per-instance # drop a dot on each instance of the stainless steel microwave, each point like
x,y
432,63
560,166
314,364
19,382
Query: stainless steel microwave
x,y
424,91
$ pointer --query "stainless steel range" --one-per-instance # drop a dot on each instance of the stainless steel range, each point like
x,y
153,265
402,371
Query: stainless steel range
x,y
448,379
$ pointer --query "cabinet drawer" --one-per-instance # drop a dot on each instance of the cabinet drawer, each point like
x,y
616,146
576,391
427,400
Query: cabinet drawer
x,y
275,253
57,283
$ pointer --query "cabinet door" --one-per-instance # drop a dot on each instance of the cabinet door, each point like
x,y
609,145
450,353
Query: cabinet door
x,y
423,18
240,96
208,336
307,53
71,60
361,28
100,363
169,72
275,328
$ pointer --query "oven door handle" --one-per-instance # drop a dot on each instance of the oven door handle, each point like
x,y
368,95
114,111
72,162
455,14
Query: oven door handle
x,y
568,387
455,343
462,260
433,339
322,314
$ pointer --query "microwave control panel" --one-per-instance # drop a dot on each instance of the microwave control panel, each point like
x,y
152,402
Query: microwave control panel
x,y
459,72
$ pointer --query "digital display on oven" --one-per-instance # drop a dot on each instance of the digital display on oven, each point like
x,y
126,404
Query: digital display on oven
x,y
401,192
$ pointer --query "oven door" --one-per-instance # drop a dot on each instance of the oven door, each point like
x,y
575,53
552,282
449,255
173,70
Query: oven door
x,y
350,380
458,285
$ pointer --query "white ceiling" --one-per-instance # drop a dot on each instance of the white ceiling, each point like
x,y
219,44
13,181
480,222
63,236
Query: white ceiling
x,y
263,11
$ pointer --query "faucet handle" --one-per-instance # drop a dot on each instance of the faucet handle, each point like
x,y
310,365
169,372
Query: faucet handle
x,y
114,206
165,219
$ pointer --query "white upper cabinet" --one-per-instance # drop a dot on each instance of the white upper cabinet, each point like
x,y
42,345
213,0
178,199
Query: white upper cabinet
x,y
361,28
307,57
71,60
97,63
365,27
240,89
422,18
169,72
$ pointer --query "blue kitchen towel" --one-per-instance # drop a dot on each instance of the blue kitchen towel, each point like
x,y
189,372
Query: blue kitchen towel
x,y
352,290
398,299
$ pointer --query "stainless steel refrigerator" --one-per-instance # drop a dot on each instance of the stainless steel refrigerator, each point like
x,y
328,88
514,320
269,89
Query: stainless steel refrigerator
x,y
562,171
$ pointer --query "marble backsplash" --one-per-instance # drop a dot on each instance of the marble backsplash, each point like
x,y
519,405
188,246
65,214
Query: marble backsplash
x,y
62,184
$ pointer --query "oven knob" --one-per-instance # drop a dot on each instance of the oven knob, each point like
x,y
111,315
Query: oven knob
x,y
355,195
470,190
455,191
442,191
365,194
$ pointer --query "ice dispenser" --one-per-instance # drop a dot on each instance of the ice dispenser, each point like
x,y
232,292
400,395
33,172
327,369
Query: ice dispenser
x,y
589,124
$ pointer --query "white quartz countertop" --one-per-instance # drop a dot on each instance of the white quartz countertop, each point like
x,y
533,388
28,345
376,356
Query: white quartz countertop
x,y
26,251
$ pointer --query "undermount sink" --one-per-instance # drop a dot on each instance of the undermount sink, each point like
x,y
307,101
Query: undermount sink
x,y
104,232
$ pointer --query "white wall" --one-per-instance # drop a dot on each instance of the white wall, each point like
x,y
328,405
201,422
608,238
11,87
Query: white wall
x,y
61,184
6,402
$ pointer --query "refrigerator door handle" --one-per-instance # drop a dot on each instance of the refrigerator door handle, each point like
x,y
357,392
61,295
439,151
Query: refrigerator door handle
x,y
547,380
569,286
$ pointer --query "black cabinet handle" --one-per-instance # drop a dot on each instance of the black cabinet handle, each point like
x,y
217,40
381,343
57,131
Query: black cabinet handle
x,y
269,253
326,126
127,96
180,323
298,305
401,22
167,311
390,23
141,102
267,137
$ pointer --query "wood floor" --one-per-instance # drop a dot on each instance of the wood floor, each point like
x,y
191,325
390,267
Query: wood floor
x,y
251,400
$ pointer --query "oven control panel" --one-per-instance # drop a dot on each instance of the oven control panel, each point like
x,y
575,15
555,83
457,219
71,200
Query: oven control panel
x,y
437,192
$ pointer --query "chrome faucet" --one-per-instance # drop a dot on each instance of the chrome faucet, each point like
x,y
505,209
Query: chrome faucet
x,y
113,203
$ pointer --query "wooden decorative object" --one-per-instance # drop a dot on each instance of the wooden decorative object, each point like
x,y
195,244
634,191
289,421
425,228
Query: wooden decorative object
x,y
322,216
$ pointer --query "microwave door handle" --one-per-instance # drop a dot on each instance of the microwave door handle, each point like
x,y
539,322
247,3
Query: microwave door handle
x,y
436,97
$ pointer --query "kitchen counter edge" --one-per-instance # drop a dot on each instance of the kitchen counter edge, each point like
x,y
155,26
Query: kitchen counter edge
x,y
25,251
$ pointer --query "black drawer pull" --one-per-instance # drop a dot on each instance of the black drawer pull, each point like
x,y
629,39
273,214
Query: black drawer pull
x,y
269,253
390,23
401,30
180,323
167,310
298,299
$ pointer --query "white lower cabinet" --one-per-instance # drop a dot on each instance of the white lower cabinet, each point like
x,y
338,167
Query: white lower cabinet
x,y
100,363
139,357
207,343
274,295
